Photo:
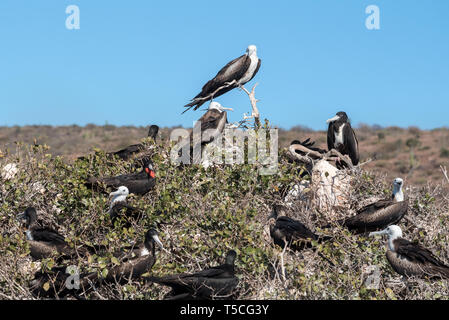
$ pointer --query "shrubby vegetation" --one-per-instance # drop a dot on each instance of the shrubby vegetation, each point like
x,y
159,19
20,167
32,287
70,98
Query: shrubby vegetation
x,y
200,214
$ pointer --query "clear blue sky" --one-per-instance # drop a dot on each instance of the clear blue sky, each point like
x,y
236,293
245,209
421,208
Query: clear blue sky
x,y
139,62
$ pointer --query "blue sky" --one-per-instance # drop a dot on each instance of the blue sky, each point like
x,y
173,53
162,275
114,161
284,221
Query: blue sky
x,y
140,62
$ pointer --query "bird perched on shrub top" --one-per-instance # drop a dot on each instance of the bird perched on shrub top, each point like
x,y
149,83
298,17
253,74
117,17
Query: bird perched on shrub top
x,y
138,183
238,72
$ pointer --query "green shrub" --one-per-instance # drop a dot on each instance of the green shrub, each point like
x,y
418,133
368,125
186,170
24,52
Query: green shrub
x,y
444,153
202,213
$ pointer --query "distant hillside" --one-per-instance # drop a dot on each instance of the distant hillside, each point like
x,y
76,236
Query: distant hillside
x,y
414,154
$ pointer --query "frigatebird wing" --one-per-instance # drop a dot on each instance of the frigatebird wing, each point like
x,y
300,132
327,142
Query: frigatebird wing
x,y
48,235
415,252
234,70
212,119
351,143
330,136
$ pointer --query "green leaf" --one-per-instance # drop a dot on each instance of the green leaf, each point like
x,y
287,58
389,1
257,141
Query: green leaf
x,y
115,261
390,293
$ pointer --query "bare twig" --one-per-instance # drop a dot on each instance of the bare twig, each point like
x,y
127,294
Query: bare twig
x,y
282,261
310,156
255,111
365,162
444,170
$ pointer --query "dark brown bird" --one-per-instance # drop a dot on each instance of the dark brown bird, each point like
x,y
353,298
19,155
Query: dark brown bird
x,y
290,232
127,152
240,71
213,283
380,214
411,259
62,281
138,183
342,138
135,261
45,242
213,122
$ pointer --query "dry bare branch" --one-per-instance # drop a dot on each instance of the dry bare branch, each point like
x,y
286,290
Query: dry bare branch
x,y
310,156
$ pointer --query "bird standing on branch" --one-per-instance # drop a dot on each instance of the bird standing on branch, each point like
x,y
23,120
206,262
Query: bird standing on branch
x,y
235,74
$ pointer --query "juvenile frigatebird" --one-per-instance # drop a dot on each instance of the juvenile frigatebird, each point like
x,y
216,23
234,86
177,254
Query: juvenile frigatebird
x,y
287,231
380,214
235,74
119,207
411,259
45,242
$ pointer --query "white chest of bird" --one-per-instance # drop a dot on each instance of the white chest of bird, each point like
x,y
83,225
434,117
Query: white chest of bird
x,y
339,136
252,68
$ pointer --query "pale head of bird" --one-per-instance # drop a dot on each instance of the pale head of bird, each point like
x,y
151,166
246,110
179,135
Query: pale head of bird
x,y
397,189
397,183
393,232
217,106
340,116
119,195
251,50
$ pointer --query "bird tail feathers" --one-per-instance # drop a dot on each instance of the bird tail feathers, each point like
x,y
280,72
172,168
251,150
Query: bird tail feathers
x,y
192,104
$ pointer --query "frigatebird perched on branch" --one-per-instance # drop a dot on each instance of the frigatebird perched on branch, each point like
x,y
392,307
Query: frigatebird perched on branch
x,y
135,261
138,183
291,232
411,259
45,242
380,214
213,122
235,74
127,152
342,138
119,208
309,145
